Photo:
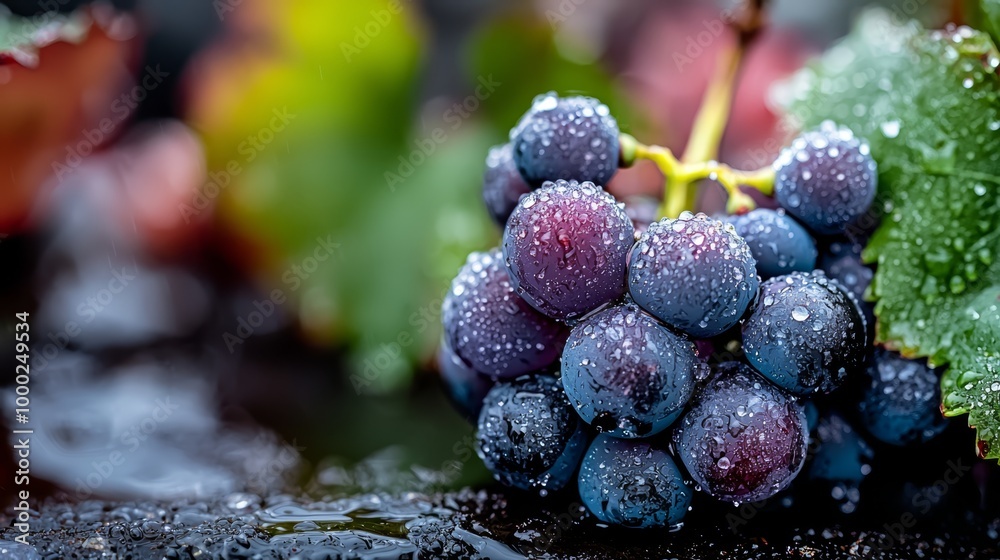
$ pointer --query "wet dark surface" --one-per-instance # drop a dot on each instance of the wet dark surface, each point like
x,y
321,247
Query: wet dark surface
x,y
463,524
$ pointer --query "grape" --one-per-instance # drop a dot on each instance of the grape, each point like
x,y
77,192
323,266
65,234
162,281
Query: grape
x,y
742,439
805,334
502,183
492,329
901,400
529,436
626,374
842,262
812,414
565,247
642,210
571,138
827,178
632,483
778,243
841,455
840,461
465,387
13,550
693,273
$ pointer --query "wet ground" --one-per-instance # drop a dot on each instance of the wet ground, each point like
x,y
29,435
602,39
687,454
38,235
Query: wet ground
x,y
464,524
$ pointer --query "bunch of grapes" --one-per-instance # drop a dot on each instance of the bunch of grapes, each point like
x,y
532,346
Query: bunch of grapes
x,y
584,346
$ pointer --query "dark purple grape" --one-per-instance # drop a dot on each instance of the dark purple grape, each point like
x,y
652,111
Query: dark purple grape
x,y
570,138
642,210
502,184
743,439
492,329
842,261
693,273
778,243
827,178
565,246
626,374
901,400
464,386
806,333
529,436
633,484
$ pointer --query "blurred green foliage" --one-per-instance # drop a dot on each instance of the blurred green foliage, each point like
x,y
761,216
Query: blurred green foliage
x,y
989,17
349,74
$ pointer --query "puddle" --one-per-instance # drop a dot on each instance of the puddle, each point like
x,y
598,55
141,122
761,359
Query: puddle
x,y
373,527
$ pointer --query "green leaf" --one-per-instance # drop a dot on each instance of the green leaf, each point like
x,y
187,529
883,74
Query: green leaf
x,y
929,104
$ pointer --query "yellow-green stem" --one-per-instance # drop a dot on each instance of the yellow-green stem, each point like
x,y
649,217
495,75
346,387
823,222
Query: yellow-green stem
x,y
699,159
710,122
680,191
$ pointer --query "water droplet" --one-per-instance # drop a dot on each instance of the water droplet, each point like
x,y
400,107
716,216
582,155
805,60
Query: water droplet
x,y
800,313
890,129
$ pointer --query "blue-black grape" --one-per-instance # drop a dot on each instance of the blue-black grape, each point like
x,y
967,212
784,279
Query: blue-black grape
x,y
742,438
464,386
492,329
806,333
901,400
565,246
502,184
778,243
842,261
570,138
633,484
693,273
626,374
827,178
529,436
840,453
840,460
14,550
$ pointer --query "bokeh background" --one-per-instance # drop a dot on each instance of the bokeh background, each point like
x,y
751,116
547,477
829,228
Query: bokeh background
x,y
233,221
